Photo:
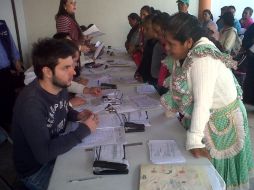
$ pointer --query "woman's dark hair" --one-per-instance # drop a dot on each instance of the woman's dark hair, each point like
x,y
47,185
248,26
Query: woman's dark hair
x,y
62,10
83,28
231,7
148,9
46,53
134,16
184,26
228,19
249,9
61,35
209,12
161,19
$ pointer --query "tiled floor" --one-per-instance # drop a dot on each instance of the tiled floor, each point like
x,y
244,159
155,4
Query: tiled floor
x,y
7,169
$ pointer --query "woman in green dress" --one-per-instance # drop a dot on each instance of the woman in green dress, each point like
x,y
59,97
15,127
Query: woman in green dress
x,y
203,88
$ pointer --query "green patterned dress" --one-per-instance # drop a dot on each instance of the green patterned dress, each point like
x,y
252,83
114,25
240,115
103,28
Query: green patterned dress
x,y
226,134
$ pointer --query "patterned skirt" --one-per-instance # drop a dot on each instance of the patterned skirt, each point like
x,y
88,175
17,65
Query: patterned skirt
x,y
228,140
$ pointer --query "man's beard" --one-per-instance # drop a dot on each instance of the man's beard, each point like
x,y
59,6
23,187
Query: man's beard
x,y
58,83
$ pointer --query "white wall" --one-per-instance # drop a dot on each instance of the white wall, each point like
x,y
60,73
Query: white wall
x,y
109,15
239,5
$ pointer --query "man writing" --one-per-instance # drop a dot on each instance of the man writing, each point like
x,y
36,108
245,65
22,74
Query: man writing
x,y
41,113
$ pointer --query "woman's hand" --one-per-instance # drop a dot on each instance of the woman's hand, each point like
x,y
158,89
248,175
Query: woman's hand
x,y
82,80
84,48
200,152
96,91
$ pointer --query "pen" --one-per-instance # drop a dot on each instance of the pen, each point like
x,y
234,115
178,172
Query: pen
x,y
84,179
133,144
124,155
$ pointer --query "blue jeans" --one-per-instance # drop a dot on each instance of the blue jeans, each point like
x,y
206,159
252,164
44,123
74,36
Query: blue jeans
x,y
40,179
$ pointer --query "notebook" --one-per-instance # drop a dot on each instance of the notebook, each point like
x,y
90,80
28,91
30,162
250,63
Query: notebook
x,y
179,177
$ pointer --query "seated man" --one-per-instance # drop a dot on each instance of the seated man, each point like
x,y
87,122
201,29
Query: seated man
x,y
41,113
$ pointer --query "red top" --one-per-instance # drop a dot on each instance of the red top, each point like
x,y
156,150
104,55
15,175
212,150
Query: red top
x,y
67,24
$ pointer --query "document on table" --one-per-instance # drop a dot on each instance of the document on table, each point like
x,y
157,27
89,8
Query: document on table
x,y
110,120
94,108
97,81
146,89
164,151
177,177
104,136
110,153
140,117
145,102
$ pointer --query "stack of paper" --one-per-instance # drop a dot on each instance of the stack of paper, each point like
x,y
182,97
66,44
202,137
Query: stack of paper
x,y
164,151
104,136
140,117
111,153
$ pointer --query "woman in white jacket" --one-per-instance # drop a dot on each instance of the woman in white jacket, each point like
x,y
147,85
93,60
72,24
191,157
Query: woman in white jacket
x,y
203,88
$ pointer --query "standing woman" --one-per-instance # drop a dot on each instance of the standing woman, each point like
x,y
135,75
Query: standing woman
x,y
133,36
209,24
248,46
66,22
203,88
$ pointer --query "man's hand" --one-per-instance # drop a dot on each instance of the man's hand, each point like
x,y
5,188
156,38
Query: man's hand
x,y
91,122
77,101
84,115
200,152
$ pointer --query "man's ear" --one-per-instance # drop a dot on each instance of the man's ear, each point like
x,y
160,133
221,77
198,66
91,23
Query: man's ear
x,y
47,73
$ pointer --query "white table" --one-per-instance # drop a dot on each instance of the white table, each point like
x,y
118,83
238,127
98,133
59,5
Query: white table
x,y
77,163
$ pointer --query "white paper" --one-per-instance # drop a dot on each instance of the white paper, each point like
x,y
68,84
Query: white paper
x,y
145,102
109,120
146,89
104,136
98,80
111,153
93,31
98,50
127,80
140,117
164,151
123,108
